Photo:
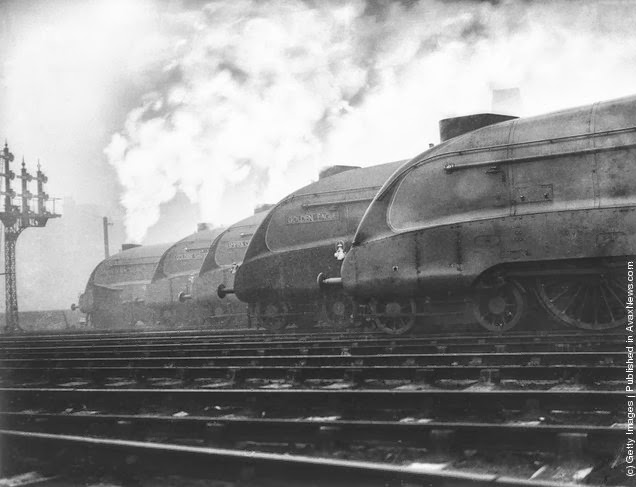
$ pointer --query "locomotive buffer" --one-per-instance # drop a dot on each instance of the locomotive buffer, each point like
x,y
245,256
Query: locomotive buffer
x,y
15,219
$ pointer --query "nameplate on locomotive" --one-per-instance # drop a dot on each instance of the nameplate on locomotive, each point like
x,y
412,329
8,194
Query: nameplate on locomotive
x,y
237,244
189,255
310,218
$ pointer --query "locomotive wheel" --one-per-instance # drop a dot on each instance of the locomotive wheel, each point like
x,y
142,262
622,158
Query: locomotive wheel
x,y
272,316
587,302
232,321
338,311
394,317
167,318
216,317
500,308
305,322
208,322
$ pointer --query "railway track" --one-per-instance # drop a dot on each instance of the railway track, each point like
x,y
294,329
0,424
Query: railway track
x,y
314,344
535,429
357,376
532,409
246,336
317,348
141,462
344,359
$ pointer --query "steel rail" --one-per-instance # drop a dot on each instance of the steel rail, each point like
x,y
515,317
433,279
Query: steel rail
x,y
582,374
319,347
438,402
216,463
226,432
321,338
237,334
411,427
290,336
345,358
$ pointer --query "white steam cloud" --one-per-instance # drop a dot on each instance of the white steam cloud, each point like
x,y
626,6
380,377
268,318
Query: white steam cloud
x,y
250,98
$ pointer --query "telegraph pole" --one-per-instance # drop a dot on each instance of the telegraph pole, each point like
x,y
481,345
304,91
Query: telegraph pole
x,y
15,219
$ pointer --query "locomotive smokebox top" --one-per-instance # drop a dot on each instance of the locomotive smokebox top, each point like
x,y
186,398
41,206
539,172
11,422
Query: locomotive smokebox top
x,y
125,247
334,170
456,126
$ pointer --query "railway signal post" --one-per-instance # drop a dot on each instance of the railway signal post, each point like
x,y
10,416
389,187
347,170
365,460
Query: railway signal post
x,y
16,218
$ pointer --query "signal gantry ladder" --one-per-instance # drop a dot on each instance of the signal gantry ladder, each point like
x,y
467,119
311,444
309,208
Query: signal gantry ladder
x,y
15,219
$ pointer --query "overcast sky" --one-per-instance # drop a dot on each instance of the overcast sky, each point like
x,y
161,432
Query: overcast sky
x,y
224,105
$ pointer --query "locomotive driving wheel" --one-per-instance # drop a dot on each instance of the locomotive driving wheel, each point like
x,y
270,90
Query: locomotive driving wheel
x,y
591,302
166,318
221,317
499,308
394,317
338,311
272,316
208,321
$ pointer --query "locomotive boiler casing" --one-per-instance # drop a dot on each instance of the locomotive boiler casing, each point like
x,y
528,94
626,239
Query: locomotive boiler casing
x,y
219,269
302,234
115,294
174,278
524,195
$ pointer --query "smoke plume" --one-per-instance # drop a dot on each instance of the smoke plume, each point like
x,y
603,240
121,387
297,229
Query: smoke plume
x,y
247,99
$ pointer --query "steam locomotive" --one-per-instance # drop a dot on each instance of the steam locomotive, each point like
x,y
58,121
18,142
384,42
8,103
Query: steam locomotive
x,y
115,294
174,278
305,234
171,285
506,213
218,271
541,206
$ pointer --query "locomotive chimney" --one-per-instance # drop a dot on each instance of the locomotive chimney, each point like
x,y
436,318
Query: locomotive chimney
x,y
456,126
201,226
125,247
504,103
262,207
334,170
